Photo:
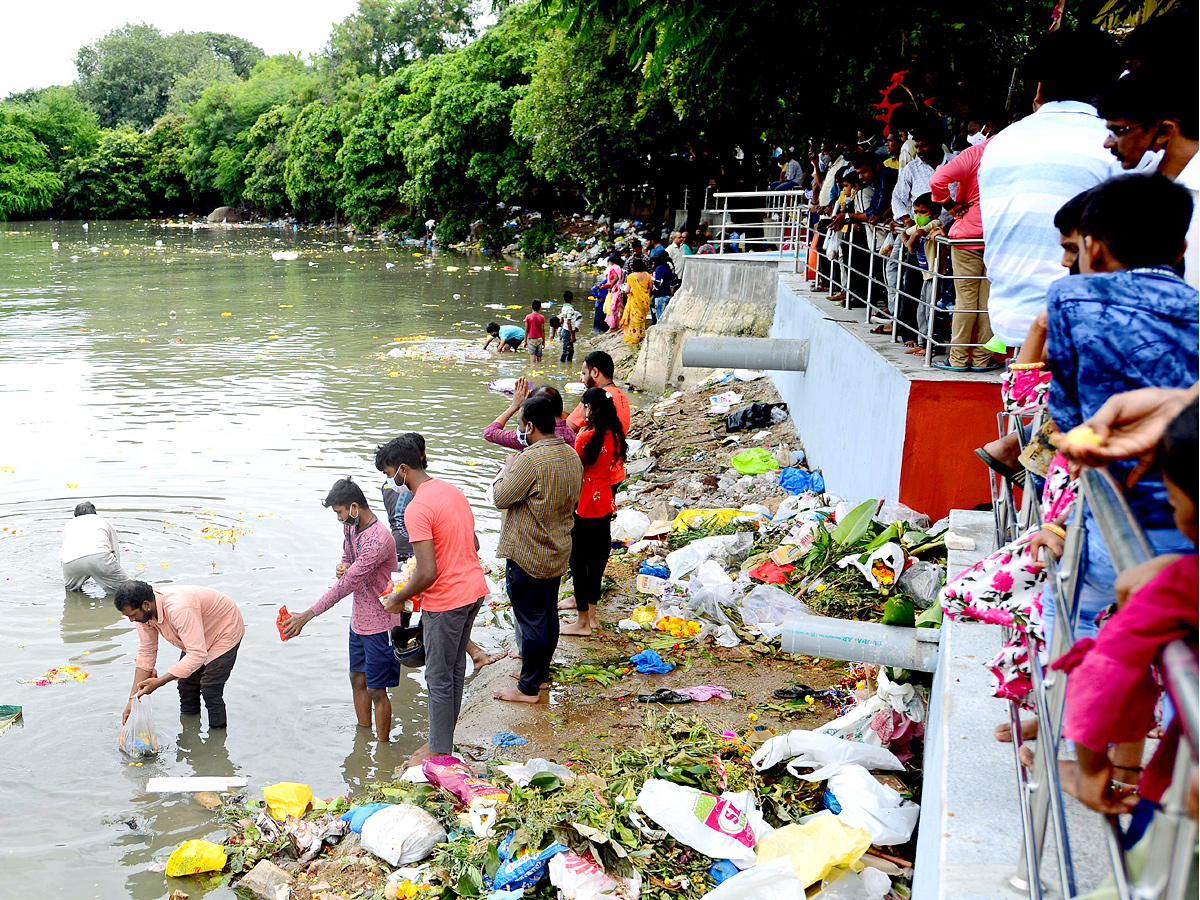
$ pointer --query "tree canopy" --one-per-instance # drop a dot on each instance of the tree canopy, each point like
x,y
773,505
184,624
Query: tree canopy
x,y
411,111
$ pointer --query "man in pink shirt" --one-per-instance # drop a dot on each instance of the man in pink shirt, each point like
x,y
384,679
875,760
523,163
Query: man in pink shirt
x,y
970,324
535,332
368,561
205,624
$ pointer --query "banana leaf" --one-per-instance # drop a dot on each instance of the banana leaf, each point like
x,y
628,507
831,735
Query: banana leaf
x,y
851,529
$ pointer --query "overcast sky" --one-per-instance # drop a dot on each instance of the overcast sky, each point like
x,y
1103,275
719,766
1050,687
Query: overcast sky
x,y
38,40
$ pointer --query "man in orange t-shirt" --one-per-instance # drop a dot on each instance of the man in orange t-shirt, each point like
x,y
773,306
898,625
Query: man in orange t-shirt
x,y
597,371
450,581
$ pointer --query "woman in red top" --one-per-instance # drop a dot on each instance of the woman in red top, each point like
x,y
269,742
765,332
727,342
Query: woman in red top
x,y
601,446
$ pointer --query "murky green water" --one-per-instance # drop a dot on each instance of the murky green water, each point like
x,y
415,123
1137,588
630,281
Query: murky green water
x,y
193,384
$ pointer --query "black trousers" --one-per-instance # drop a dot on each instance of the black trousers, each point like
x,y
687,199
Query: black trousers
x,y
535,607
591,544
208,682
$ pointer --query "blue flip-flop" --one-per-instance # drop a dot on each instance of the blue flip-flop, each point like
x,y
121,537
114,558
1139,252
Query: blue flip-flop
x,y
945,364
988,368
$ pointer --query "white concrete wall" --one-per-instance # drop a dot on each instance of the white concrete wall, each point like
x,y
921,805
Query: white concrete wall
x,y
850,406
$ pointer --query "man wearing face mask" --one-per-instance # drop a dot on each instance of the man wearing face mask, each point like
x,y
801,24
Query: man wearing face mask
x,y
538,493
368,561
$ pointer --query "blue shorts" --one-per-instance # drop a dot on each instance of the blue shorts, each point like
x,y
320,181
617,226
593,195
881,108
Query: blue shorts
x,y
372,655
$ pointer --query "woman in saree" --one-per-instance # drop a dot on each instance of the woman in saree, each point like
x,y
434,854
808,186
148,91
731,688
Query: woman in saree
x,y
637,303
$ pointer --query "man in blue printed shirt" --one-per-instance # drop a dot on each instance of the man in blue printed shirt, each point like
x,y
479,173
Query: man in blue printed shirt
x,y
1127,321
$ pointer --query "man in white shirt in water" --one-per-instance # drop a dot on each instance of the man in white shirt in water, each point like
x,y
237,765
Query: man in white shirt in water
x,y
90,550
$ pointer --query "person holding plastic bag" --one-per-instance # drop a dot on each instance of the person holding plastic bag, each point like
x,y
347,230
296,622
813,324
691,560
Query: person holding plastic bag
x,y
205,624
365,571
601,447
450,582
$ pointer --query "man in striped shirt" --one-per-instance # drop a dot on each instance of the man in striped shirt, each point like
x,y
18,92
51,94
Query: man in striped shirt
x,y
1036,165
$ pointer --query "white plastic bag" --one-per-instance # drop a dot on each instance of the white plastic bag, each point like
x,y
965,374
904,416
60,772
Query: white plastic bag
x,y
867,803
774,880
710,589
629,525
582,878
725,549
725,827
855,725
766,606
138,738
824,754
886,562
402,834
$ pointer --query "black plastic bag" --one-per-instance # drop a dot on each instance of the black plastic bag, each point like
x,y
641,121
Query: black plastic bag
x,y
755,415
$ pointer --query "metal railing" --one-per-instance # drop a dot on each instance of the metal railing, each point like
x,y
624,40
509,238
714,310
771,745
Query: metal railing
x,y
1171,836
760,221
869,267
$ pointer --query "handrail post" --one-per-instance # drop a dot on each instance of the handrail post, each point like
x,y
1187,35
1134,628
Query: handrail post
x,y
934,261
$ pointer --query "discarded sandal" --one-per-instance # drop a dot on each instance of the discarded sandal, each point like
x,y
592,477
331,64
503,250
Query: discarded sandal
x,y
664,695
796,692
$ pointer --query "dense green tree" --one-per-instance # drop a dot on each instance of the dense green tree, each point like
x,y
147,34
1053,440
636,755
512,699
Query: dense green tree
x,y
166,149
188,86
586,120
372,170
28,184
457,139
220,121
266,158
58,119
384,35
127,76
110,182
311,173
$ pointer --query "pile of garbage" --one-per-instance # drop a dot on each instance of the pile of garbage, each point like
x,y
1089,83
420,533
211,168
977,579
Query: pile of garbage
x,y
691,813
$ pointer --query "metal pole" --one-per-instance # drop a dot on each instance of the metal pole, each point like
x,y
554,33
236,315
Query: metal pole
x,y
934,262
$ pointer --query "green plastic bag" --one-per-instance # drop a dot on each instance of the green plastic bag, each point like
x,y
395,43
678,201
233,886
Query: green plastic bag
x,y
899,609
754,461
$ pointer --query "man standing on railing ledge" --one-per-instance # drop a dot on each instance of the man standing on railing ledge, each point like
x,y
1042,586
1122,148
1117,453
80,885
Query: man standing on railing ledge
x,y
1034,166
970,323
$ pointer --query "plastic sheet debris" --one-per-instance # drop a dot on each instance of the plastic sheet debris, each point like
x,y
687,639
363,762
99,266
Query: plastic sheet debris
x,y
524,869
754,461
507,739
281,255
402,834
722,870
898,512
648,662
774,880
891,718
720,404
869,884
801,481
881,567
582,878
723,548
824,754
755,415
705,518
862,801
138,738
724,827
816,847
722,634
771,572
656,571
922,581
629,525
766,607
704,692
522,773
288,798
194,857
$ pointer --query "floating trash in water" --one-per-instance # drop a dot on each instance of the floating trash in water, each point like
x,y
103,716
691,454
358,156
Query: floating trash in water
x,y
158,243
346,248
9,716
389,265
57,675
279,255
224,314
54,245
172,314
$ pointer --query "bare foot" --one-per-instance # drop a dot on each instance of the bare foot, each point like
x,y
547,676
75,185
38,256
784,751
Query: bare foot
x,y
514,695
837,298
916,351
420,755
516,676
1029,731
575,628
482,658
567,603
1025,754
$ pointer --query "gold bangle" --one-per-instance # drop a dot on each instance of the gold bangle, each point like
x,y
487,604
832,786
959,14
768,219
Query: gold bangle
x,y
1055,529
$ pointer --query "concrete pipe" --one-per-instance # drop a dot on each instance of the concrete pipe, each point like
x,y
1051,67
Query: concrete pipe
x,y
770,354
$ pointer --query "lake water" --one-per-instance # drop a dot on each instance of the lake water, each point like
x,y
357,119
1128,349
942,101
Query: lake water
x,y
202,384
